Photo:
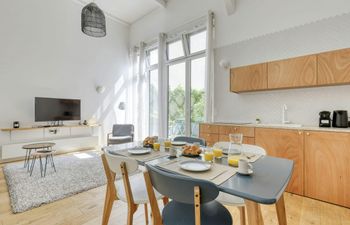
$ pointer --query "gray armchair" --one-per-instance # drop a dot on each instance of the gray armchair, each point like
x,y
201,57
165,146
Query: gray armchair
x,y
122,133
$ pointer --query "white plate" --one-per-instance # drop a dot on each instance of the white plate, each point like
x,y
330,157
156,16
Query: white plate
x,y
178,143
246,174
139,151
195,166
233,152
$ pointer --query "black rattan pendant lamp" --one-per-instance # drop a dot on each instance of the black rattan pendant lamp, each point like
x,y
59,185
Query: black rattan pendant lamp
x,y
93,21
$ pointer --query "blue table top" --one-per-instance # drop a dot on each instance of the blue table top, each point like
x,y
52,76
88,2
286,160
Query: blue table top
x,y
266,185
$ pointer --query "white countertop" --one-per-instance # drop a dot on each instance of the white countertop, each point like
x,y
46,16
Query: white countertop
x,y
281,126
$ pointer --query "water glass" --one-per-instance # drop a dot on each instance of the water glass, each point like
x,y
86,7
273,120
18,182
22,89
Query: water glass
x,y
236,141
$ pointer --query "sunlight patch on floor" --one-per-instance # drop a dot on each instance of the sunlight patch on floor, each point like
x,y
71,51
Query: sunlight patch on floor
x,y
82,155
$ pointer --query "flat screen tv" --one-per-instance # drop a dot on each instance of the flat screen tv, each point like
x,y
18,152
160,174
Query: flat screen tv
x,y
54,109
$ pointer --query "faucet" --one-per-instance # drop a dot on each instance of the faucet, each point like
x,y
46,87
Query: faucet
x,y
284,114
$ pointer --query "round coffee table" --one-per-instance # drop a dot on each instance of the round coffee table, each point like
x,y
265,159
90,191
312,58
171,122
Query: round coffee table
x,y
34,147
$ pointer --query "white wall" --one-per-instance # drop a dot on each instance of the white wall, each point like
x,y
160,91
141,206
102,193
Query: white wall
x,y
44,53
252,17
304,104
259,31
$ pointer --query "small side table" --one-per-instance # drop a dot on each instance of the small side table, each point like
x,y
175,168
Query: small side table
x,y
48,155
34,147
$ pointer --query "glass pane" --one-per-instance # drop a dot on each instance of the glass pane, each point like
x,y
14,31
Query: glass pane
x,y
175,50
153,57
153,102
197,94
198,42
177,84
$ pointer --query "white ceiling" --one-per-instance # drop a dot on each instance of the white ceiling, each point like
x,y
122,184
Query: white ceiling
x,y
127,11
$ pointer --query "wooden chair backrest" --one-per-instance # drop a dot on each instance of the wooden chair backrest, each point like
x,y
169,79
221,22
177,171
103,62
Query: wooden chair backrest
x,y
121,166
114,162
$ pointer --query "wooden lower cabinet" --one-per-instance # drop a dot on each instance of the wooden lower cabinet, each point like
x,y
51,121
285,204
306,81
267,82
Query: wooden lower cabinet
x,y
327,167
246,140
287,144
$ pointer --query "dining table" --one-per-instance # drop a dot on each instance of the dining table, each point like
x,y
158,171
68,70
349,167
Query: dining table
x,y
265,186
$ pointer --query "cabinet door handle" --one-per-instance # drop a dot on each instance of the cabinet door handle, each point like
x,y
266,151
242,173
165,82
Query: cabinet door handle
x,y
308,134
299,132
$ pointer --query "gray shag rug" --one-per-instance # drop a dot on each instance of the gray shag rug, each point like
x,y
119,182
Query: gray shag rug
x,y
76,173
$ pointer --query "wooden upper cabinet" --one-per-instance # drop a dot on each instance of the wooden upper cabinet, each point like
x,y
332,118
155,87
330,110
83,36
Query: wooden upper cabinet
x,y
334,67
287,144
292,73
327,168
249,78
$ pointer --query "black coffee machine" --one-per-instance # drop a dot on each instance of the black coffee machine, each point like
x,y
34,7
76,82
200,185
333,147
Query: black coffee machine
x,y
325,119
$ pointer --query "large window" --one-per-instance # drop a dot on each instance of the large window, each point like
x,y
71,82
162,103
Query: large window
x,y
177,99
186,84
185,75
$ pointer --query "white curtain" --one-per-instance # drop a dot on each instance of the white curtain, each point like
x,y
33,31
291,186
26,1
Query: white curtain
x,y
209,103
138,105
162,86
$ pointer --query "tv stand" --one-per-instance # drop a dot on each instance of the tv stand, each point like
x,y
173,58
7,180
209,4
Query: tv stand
x,y
67,138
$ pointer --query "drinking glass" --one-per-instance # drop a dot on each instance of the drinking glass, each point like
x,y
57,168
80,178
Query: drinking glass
x,y
217,153
236,141
156,146
208,155
167,144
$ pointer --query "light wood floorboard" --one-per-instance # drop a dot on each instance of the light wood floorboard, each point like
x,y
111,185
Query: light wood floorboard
x,y
86,209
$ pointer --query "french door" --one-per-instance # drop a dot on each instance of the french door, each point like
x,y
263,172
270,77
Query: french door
x,y
186,96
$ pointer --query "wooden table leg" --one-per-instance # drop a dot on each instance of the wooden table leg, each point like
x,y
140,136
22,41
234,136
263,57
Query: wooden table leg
x,y
254,213
281,211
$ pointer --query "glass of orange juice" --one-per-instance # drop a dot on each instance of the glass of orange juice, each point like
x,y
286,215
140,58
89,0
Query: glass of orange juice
x,y
167,144
208,156
217,153
233,160
156,146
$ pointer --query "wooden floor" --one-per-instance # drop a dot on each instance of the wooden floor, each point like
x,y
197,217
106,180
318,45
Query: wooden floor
x,y
86,209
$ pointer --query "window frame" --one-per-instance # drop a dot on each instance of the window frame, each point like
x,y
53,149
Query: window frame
x,y
187,58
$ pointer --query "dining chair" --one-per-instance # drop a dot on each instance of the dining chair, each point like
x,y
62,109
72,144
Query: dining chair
x,y
231,200
130,188
190,140
121,133
193,200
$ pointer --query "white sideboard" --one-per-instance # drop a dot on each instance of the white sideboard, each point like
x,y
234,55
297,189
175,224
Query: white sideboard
x,y
66,138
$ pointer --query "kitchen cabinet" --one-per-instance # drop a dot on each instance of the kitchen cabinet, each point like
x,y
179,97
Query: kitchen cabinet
x,y
292,73
209,132
287,144
334,67
328,68
246,140
327,168
248,133
214,133
249,78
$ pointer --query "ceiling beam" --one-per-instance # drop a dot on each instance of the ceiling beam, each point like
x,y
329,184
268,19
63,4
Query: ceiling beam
x,y
162,3
230,6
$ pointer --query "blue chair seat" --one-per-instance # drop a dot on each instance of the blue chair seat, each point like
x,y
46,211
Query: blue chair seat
x,y
212,213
